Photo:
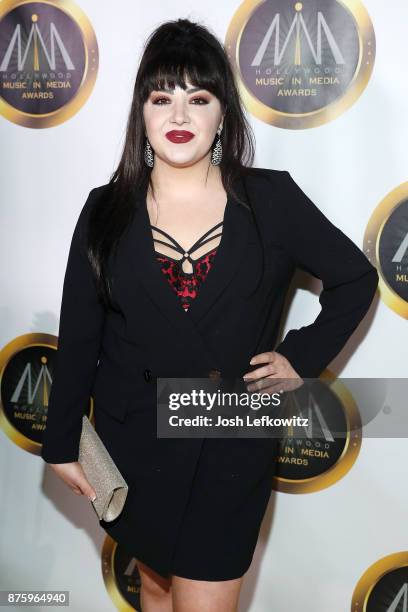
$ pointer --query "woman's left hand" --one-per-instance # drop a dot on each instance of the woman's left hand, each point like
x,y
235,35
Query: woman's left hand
x,y
277,367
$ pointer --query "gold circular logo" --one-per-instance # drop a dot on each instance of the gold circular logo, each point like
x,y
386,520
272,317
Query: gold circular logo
x,y
48,61
26,373
121,576
386,246
315,457
300,65
384,585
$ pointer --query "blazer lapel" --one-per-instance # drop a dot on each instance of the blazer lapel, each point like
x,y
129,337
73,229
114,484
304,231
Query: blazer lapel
x,y
226,262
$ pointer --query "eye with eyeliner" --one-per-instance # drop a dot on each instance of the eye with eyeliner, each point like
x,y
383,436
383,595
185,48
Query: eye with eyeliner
x,y
157,101
202,99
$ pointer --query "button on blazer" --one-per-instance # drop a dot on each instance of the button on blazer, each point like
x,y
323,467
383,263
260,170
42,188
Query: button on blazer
x,y
117,359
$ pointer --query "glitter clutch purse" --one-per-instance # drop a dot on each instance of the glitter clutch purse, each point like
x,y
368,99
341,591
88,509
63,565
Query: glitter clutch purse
x,y
102,473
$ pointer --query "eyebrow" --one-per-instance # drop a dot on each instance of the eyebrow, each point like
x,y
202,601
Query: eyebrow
x,y
191,90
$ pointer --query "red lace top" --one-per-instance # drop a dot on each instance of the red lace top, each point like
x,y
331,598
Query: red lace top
x,y
186,284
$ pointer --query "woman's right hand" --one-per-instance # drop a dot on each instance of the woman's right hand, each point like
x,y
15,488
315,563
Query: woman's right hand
x,y
73,475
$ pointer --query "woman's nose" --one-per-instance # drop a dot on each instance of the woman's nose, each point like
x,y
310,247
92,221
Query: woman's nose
x,y
180,112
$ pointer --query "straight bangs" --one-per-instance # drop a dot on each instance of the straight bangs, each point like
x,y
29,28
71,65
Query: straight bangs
x,y
178,67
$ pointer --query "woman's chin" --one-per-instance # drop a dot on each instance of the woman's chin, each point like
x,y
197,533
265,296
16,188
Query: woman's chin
x,y
181,161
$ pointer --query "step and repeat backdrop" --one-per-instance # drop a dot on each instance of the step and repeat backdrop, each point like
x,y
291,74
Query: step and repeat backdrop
x,y
323,83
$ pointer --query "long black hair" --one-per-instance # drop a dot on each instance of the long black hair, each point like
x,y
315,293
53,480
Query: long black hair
x,y
176,51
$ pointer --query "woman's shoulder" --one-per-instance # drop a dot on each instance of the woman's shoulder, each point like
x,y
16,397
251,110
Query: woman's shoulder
x,y
266,183
264,177
96,194
93,198
268,171
100,189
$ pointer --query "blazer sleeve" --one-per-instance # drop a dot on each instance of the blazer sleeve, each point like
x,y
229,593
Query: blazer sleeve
x,y
79,339
349,281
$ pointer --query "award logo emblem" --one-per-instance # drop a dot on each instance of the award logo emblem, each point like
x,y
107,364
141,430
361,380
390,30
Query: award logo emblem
x,y
386,246
48,61
301,64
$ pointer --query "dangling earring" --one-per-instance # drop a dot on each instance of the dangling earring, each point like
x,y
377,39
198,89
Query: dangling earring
x,y
148,154
216,155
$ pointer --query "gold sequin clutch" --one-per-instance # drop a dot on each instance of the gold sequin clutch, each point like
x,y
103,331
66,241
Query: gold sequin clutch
x,y
102,473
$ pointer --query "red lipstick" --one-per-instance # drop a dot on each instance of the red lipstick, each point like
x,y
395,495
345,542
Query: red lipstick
x,y
179,135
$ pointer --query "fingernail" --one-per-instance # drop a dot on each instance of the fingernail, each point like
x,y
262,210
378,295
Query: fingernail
x,y
92,499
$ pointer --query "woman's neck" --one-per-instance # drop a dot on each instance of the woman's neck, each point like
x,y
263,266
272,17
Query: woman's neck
x,y
193,179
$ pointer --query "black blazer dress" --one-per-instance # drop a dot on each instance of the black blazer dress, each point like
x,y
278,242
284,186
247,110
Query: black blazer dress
x,y
195,505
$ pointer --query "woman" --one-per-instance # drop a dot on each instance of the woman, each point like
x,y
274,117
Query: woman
x,y
139,302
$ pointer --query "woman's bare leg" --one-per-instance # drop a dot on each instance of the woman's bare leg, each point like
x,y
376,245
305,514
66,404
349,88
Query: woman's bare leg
x,y
155,592
205,596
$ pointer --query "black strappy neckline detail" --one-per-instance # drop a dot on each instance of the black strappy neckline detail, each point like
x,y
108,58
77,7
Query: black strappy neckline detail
x,y
186,253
